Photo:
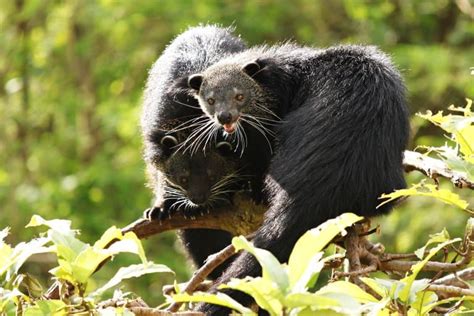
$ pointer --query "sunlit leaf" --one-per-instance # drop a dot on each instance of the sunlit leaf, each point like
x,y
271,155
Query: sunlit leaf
x,y
47,308
217,299
349,289
429,190
271,269
133,271
415,269
265,293
312,242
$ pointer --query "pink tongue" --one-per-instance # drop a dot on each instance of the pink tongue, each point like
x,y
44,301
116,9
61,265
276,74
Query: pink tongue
x,y
229,128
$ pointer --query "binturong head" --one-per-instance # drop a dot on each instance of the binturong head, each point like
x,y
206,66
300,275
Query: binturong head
x,y
204,179
227,91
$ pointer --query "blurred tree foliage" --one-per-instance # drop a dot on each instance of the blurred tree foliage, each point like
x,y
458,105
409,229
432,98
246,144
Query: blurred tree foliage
x,y
72,74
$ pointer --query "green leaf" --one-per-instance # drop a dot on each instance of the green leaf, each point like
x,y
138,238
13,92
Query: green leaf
x,y
404,294
349,289
272,270
377,286
265,293
47,308
434,239
430,190
16,257
133,271
217,299
311,243
313,300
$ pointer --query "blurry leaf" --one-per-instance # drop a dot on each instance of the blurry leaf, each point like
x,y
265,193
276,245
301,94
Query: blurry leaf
x,y
63,237
265,293
347,288
430,190
316,240
133,271
313,300
376,286
272,270
407,292
16,257
423,298
30,284
47,308
434,239
218,299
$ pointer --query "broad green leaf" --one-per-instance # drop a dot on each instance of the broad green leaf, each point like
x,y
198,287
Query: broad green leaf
x,y
427,308
377,286
217,299
434,239
313,300
272,270
8,297
28,284
60,225
313,242
408,280
422,299
131,244
430,190
47,308
349,289
107,237
3,234
323,312
18,255
265,293
86,262
133,271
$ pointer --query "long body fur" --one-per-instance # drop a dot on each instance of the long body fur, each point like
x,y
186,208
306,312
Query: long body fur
x,y
167,99
338,147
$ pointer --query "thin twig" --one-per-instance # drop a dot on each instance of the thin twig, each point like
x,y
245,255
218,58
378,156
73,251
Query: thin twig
x,y
200,275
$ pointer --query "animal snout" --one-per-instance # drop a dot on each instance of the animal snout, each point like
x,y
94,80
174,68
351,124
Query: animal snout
x,y
199,198
224,117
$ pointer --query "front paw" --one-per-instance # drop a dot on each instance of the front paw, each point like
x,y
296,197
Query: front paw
x,y
155,214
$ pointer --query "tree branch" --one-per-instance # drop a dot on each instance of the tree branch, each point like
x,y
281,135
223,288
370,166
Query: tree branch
x,y
435,168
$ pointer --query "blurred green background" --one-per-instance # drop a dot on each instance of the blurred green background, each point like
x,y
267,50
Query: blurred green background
x,y
72,75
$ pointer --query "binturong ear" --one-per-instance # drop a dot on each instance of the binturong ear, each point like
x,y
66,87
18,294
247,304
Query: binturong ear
x,y
251,68
195,81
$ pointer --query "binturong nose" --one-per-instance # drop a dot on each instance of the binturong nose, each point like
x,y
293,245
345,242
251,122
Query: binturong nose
x,y
198,198
224,117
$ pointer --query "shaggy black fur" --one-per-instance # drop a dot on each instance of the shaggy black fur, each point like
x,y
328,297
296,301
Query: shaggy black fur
x,y
340,144
167,99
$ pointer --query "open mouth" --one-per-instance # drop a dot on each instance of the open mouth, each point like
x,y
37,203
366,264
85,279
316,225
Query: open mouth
x,y
230,127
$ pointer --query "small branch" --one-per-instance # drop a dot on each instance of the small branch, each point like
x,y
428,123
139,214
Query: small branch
x,y
454,278
452,290
434,168
200,275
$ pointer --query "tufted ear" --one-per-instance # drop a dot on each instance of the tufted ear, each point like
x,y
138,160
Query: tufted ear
x,y
251,68
195,81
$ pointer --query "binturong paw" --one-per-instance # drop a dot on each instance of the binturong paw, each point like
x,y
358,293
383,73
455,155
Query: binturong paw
x,y
155,214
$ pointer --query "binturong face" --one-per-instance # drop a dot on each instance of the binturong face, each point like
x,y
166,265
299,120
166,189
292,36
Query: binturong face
x,y
203,179
226,92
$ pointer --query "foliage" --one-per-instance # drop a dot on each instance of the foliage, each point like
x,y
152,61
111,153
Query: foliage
x,y
286,289
71,79
76,260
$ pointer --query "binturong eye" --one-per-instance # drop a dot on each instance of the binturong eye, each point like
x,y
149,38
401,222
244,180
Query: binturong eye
x,y
239,97
211,101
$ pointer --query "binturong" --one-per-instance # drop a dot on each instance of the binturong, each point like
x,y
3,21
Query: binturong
x,y
337,148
